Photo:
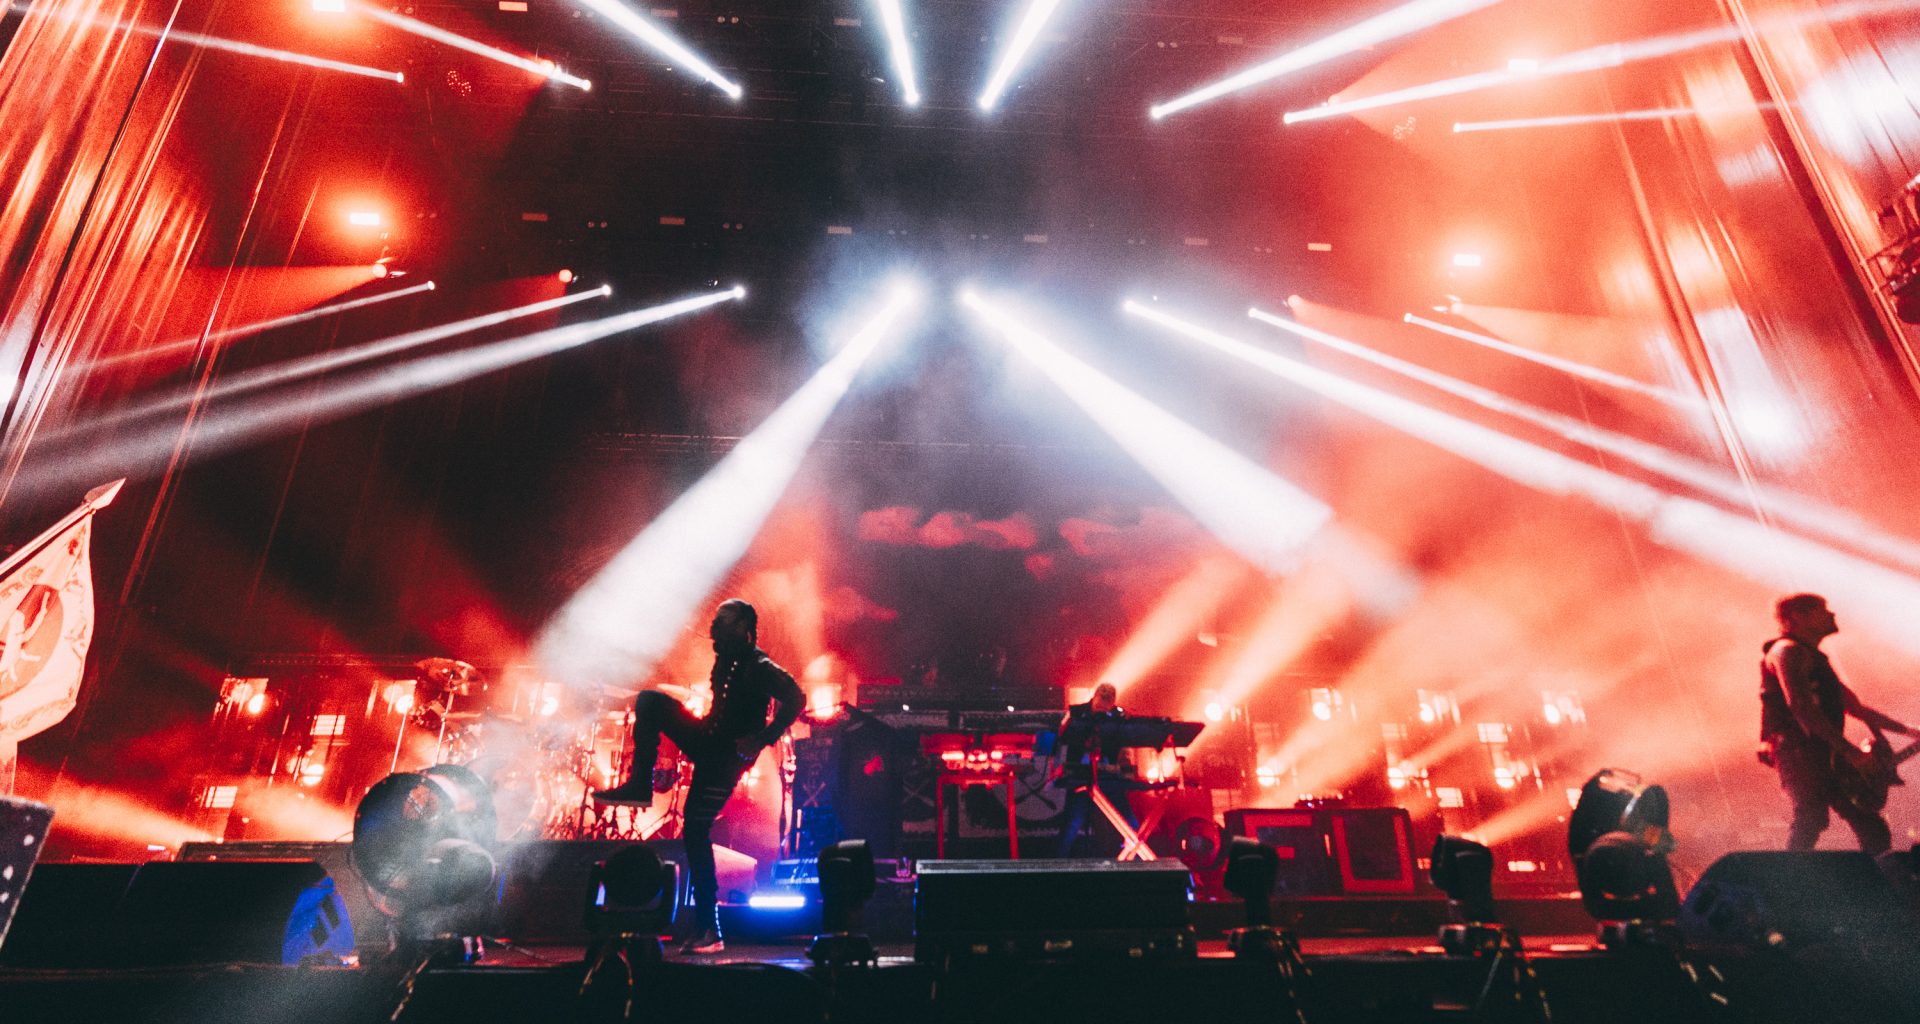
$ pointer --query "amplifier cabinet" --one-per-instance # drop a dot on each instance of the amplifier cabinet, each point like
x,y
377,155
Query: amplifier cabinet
x,y
1334,851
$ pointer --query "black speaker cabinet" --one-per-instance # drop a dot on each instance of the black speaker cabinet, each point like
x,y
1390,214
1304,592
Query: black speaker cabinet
x,y
23,834
1767,899
1051,909
169,913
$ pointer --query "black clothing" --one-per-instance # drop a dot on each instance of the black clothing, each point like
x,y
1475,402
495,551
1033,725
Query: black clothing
x,y
1805,762
742,688
1776,713
1075,745
1806,773
1077,735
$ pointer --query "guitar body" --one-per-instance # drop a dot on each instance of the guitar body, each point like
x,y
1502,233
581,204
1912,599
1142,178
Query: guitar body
x,y
1866,789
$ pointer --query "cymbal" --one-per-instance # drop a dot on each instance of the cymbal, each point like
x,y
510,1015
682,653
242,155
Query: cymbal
x,y
461,716
448,669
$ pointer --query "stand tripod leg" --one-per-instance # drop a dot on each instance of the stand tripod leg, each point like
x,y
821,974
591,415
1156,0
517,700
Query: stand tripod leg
x,y
1132,845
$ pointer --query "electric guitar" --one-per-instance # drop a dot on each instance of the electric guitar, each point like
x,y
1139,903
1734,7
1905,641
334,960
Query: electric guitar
x,y
1866,788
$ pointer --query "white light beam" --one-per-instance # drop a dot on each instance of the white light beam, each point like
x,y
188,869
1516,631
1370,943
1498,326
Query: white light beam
x,y
669,47
1254,512
894,21
1611,55
1031,22
545,69
292,370
180,345
628,617
255,418
1593,374
1401,21
1786,506
245,49
1782,561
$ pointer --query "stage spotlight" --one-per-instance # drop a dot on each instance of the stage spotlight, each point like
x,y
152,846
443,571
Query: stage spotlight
x,y
1249,870
363,218
1468,259
1252,867
618,627
1260,516
846,883
1463,869
1401,21
1757,550
666,45
421,844
1618,838
330,6
379,270
894,21
1031,22
544,69
565,276
632,898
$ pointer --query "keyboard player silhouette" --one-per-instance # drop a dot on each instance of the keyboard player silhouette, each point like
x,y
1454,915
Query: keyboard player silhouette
x,y
1085,762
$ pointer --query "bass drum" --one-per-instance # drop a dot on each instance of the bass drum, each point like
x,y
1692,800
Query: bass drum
x,y
523,794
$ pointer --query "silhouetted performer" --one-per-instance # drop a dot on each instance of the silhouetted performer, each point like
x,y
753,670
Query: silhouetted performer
x,y
1803,709
722,746
1079,748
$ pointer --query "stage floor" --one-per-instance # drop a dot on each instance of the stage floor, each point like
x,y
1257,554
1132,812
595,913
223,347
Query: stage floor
x,y
1366,980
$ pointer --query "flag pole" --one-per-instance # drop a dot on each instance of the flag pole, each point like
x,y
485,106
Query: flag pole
x,y
98,498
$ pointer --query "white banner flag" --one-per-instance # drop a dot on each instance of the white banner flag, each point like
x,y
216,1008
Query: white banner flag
x,y
46,624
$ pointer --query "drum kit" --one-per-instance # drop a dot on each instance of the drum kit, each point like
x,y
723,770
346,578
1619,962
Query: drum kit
x,y
541,756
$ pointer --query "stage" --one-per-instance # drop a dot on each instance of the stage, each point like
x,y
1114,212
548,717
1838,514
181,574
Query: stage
x,y
1384,979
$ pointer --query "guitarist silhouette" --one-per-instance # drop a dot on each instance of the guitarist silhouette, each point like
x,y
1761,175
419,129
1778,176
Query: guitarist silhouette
x,y
1803,711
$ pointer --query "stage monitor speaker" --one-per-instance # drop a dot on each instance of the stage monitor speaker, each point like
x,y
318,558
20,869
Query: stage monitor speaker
x,y
169,914
1334,851
1051,909
369,925
23,834
1771,899
543,883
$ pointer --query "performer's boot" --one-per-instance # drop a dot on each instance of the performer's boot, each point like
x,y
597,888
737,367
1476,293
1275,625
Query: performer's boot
x,y
708,939
635,792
